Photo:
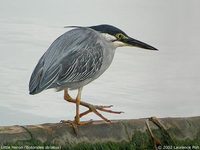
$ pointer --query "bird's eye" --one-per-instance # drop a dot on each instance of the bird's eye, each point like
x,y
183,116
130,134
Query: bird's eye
x,y
119,36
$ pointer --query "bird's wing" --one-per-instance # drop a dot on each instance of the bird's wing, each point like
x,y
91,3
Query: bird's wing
x,y
74,56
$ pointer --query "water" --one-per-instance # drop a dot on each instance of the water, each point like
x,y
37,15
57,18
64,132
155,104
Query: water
x,y
141,83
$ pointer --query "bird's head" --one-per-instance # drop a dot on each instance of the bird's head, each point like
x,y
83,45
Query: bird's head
x,y
119,38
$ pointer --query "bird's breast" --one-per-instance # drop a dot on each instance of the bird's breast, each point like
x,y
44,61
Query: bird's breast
x,y
108,55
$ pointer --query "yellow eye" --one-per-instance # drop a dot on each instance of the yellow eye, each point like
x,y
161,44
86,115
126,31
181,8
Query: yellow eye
x,y
120,36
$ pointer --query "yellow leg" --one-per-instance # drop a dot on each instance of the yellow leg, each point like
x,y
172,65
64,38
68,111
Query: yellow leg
x,y
91,108
67,97
78,100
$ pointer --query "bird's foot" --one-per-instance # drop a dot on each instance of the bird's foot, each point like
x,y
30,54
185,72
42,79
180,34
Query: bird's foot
x,y
94,108
75,124
91,108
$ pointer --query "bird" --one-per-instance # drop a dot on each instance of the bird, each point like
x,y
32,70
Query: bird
x,y
78,57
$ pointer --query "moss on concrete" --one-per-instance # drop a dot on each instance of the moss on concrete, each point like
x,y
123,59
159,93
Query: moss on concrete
x,y
140,141
121,135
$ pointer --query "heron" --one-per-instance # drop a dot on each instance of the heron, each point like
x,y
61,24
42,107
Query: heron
x,y
78,57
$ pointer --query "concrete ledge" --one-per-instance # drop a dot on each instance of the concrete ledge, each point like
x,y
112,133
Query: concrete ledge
x,y
131,132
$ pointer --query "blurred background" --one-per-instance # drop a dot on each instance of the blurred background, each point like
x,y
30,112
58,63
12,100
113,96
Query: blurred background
x,y
141,83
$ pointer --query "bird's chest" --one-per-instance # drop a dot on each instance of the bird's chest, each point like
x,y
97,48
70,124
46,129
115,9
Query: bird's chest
x,y
108,56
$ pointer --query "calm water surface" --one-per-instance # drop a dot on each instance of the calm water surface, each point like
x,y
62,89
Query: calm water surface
x,y
139,82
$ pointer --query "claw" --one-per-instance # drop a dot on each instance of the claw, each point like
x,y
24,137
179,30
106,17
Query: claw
x,y
102,106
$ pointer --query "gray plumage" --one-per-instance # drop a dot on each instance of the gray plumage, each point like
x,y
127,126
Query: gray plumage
x,y
73,60
78,57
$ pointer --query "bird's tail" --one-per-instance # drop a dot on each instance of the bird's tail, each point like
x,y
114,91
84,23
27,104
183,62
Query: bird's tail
x,y
36,77
34,84
42,78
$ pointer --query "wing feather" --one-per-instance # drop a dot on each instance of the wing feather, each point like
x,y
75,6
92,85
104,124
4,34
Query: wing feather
x,y
73,57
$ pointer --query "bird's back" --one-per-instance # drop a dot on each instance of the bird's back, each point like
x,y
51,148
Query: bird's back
x,y
72,58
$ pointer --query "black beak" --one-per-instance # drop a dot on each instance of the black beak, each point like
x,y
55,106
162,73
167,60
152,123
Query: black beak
x,y
133,42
